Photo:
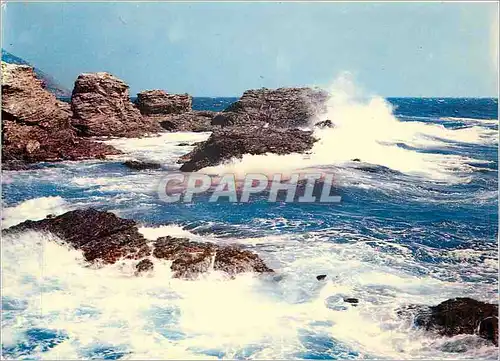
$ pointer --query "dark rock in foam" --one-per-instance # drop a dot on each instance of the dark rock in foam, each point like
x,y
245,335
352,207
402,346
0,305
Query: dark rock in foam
x,y
456,316
105,238
140,165
235,142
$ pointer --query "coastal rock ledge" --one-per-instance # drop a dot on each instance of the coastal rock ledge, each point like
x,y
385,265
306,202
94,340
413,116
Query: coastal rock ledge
x,y
105,238
36,126
234,142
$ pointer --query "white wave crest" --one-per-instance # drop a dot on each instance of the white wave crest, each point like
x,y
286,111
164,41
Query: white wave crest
x,y
366,129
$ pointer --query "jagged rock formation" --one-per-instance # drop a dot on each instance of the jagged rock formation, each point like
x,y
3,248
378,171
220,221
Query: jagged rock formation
x,y
36,126
105,238
173,111
101,107
456,316
283,107
159,102
261,121
234,142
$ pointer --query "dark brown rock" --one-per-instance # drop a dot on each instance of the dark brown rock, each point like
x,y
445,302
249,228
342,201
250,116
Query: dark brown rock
x,y
234,259
456,316
101,107
325,124
105,238
320,277
235,142
191,258
159,102
102,236
139,165
36,126
143,266
283,107
351,300
192,121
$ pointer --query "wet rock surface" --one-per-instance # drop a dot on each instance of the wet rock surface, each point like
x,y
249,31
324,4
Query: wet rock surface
x,y
36,126
283,107
101,107
141,165
456,316
105,238
235,142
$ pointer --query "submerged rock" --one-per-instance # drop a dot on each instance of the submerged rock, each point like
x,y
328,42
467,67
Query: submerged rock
x,y
140,165
283,107
159,102
456,316
101,107
36,126
235,142
105,238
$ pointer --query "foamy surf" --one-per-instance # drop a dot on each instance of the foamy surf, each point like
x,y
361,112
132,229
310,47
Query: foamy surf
x,y
86,312
366,129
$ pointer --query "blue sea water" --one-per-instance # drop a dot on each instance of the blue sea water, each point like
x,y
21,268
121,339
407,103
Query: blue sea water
x,y
418,223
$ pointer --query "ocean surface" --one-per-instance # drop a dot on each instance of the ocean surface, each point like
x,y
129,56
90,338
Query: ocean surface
x,y
418,223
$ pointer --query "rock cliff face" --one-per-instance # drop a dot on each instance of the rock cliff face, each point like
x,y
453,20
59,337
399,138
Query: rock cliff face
x,y
36,126
456,316
235,142
48,82
159,102
105,238
101,107
283,107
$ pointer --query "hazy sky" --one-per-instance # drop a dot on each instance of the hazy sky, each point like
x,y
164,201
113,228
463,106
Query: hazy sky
x,y
222,49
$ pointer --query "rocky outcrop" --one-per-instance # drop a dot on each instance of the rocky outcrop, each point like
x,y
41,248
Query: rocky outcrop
x,y
140,165
283,107
48,82
159,102
190,258
193,121
36,126
105,238
456,316
173,111
101,107
235,142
